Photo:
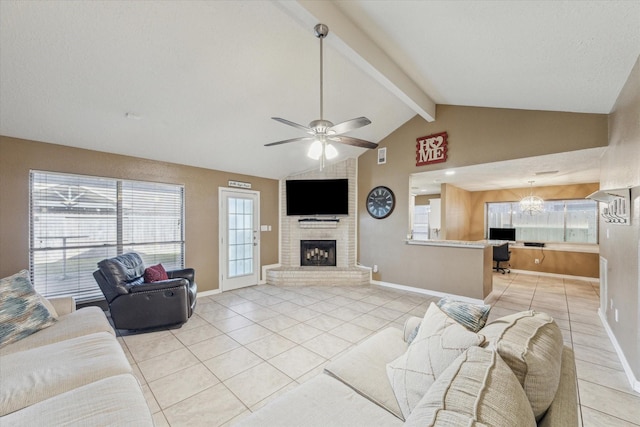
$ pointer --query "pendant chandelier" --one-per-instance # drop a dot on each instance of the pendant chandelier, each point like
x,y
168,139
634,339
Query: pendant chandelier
x,y
531,204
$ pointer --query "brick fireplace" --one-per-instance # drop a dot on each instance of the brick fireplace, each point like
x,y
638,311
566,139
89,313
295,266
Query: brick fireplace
x,y
341,230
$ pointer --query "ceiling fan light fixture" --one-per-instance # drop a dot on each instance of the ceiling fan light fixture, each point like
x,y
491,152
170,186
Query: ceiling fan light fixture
x,y
330,152
323,130
315,150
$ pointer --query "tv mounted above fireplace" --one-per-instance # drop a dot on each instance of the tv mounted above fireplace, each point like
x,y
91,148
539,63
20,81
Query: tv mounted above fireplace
x,y
317,197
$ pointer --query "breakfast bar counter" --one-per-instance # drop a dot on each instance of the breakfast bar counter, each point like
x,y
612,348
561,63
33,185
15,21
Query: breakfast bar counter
x,y
455,267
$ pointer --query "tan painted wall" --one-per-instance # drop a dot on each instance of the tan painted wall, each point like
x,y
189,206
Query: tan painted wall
x,y
620,169
476,135
17,157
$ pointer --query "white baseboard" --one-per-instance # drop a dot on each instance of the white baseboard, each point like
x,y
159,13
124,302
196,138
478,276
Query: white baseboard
x,y
207,293
633,381
427,292
559,276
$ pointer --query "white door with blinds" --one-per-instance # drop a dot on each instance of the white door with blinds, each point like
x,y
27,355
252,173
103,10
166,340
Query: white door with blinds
x,y
239,238
77,221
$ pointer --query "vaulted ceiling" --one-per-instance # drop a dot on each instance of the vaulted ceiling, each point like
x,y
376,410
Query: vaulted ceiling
x,y
197,82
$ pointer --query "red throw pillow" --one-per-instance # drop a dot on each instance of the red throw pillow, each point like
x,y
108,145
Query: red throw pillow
x,y
155,273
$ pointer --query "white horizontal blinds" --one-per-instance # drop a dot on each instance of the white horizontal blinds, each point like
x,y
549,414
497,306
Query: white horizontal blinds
x,y
72,228
152,218
581,221
77,221
561,221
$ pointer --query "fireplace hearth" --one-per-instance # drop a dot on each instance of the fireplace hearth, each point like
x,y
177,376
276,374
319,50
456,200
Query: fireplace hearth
x,y
318,253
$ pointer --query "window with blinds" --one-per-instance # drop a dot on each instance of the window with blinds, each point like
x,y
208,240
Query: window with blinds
x,y
574,221
76,221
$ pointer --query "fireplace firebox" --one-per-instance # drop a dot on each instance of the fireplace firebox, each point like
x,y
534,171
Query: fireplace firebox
x,y
318,253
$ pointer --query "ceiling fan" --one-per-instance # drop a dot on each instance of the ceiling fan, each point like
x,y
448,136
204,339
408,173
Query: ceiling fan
x,y
323,131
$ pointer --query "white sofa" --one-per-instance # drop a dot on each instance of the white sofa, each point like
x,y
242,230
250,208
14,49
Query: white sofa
x,y
355,389
73,372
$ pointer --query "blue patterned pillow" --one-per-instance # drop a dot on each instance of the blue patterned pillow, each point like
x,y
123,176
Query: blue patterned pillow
x,y
413,334
21,310
471,316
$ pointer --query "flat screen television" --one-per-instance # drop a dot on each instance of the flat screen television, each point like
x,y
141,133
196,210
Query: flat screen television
x,y
502,234
317,197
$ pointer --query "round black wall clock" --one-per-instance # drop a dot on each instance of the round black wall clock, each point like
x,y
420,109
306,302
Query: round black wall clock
x,y
380,202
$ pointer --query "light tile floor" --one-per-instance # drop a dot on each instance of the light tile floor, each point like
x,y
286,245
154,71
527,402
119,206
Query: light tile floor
x,y
241,349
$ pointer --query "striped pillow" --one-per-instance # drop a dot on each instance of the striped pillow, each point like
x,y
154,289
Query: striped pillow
x,y
477,389
21,310
471,316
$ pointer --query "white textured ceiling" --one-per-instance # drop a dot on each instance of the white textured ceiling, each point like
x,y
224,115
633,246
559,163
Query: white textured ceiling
x,y
204,78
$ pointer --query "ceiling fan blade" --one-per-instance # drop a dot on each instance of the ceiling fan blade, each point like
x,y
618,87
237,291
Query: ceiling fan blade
x,y
286,141
349,125
353,141
295,125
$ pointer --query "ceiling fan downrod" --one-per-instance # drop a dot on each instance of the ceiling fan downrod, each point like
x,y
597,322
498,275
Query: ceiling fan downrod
x,y
321,31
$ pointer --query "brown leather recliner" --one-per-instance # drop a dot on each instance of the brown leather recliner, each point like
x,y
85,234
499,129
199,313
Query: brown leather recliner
x,y
135,304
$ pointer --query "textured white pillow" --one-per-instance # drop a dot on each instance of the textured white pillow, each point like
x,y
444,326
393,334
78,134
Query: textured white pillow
x,y
531,344
439,342
478,388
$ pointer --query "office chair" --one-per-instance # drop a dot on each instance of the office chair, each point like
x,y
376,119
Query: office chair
x,y
501,254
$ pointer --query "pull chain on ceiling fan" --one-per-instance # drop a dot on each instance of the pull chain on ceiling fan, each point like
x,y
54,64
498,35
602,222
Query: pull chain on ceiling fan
x,y
323,131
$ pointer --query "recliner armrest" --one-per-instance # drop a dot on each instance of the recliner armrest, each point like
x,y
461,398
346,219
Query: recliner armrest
x,y
158,286
185,273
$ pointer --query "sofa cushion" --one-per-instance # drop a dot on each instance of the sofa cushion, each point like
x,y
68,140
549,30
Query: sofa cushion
x,y
531,344
155,273
322,401
471,316
478,388
564,408
31,376
63,305
22,312
440,340
113,401
363,368
81,322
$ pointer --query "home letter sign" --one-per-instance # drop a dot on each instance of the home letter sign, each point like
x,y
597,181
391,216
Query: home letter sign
x,y
431,149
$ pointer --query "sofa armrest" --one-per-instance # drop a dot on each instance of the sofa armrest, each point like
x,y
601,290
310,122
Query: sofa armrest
x,y
63,305
409,325
564,408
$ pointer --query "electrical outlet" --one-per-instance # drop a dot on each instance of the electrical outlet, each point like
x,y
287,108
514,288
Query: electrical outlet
x,y
375,268
616,315
537,261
